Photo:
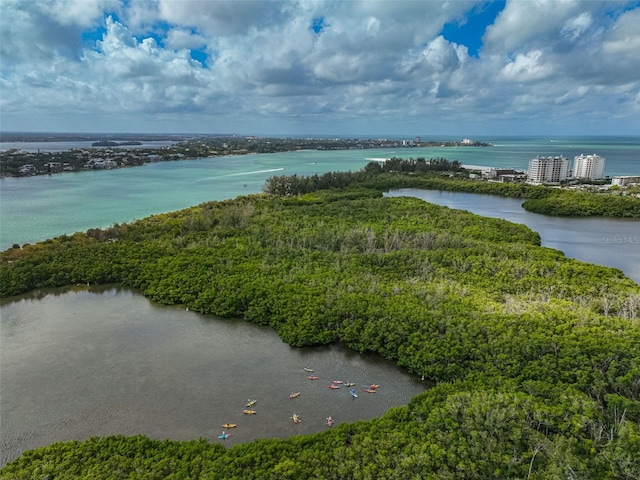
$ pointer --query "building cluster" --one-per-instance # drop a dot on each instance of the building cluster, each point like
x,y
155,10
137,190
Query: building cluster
x,y
556,169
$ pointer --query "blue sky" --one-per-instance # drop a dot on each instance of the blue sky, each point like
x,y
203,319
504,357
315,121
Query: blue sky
x,y
305,67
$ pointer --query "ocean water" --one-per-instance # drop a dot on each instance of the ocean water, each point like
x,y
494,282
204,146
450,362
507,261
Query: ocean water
x,y
36,208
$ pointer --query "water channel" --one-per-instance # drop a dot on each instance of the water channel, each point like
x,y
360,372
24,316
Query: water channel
x,y
612,242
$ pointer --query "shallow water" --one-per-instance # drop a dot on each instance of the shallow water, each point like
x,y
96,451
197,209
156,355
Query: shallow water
x,y
93,362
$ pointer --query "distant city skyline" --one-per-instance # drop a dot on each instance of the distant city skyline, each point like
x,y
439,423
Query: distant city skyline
x,y
319,67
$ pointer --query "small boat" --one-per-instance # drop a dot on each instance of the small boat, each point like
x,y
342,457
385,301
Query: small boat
x,y
294,395
296,419
307,369
349,384
249,412
353,393
373,386
370,390
329,421
251,403
337,382
312,377
229,425
224,436
333,386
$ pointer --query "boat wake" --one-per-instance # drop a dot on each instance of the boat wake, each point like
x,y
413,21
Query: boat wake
x,y
240,174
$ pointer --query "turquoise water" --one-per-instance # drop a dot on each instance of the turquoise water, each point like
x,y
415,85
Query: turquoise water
x,y
36,208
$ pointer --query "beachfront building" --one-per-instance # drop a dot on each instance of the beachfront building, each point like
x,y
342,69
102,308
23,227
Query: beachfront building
x,y
590,167
547,170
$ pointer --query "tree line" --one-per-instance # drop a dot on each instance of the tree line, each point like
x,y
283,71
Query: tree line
x,y
442,174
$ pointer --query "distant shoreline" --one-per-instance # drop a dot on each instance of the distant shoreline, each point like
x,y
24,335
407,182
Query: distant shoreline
x,y
111,153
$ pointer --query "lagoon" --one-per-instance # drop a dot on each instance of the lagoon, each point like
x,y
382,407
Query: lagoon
x,y
85,362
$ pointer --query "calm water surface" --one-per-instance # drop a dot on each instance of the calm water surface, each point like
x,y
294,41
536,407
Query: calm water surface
x,y
71,145
36,208
80,363
613,242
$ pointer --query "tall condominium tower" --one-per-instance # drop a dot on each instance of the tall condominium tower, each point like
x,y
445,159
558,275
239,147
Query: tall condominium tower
x,y
547,170
588,166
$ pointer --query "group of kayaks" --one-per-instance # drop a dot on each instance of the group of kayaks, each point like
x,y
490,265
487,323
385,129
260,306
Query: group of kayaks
x,y
247,411
334,385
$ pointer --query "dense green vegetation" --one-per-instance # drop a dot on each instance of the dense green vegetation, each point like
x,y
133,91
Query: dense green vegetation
x,y
441,174
537,357
577,203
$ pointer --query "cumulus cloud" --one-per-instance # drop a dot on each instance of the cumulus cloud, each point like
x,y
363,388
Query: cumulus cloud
x,y
624,37
527,67
329,63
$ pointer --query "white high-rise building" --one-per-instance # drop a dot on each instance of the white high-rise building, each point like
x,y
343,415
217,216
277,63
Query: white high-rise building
x,y
588,166
547,170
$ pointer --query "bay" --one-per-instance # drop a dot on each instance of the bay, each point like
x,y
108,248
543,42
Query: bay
x,y
88,362
36,208
62,146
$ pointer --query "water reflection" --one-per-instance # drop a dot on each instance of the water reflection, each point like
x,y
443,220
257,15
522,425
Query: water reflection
x,y
83,362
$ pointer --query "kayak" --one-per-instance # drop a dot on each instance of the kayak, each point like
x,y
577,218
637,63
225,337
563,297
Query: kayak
x,y
294,395
249,412
307,369
370,390
337,382
251,403
229,425
332,386
353,393
312,377
373,386
329,421
296,419
224,436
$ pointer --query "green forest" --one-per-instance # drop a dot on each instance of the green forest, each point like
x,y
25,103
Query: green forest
x,y
536,357
442,174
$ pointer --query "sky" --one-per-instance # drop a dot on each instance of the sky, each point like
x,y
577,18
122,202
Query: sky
x,y
321,67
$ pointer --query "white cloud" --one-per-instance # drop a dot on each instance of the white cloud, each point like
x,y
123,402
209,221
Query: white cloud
x,y
576,26
624,37
82,13
524,22
266,64
221,17
179,38
527,67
